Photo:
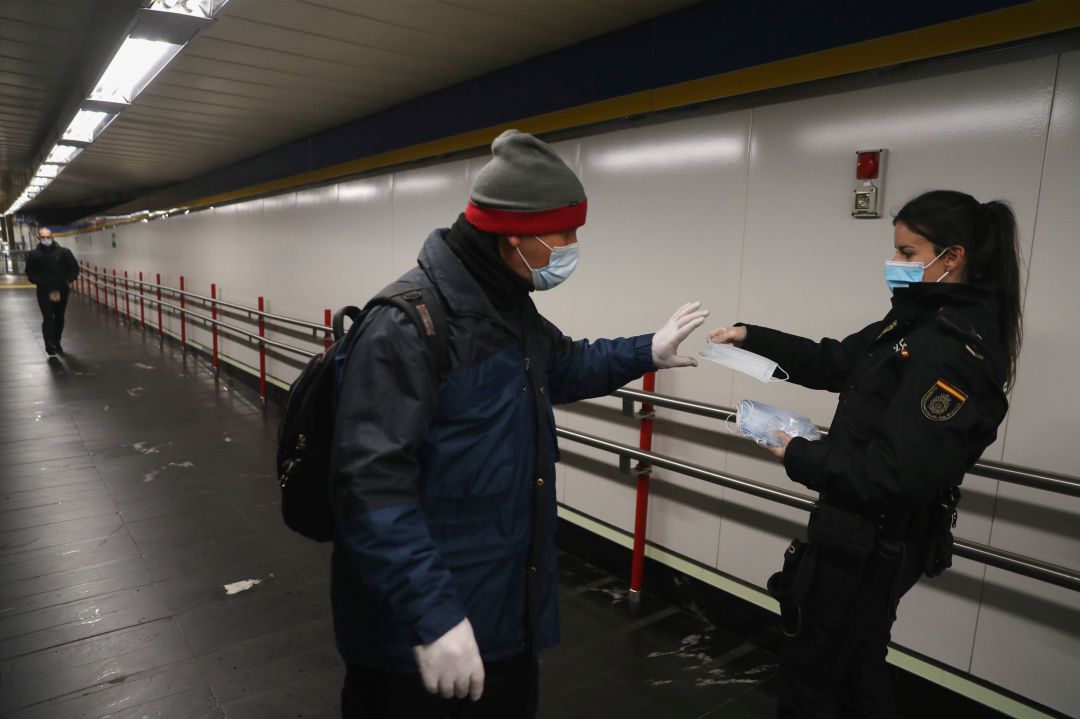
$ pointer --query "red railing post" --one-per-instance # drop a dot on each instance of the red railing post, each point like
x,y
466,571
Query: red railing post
x,y
97,286
127,297
183,317
643,470
262,352
160,325
329,332
213,315
142,307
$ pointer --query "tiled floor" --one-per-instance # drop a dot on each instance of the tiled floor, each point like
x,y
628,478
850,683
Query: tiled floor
x,y
135,485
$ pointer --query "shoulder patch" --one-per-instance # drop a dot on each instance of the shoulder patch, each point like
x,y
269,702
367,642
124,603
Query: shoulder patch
x,y
887,329
942,401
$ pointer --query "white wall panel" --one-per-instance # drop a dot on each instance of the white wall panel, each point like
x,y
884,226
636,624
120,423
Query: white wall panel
x,y
665,227
1039,624
424,199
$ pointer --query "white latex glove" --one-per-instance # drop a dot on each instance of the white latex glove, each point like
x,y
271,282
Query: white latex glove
x,y
667,339
451,666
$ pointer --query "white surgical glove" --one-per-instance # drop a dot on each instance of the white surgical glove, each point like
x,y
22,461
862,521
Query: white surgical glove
x,y
451,666
666,341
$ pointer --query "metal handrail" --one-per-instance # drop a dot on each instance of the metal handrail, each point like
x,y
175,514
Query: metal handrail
x,y
1024,476
250,312
177,309
1017,563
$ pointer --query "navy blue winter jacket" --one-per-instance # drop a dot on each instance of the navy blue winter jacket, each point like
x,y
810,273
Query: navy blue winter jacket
x,y
444,492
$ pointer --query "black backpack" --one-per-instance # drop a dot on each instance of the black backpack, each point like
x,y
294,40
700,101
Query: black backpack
x,y
306,431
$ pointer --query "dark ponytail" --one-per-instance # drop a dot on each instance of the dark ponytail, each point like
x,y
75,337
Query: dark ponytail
x,y
989,235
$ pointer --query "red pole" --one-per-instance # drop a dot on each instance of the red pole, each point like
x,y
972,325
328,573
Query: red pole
x,y
326,338
160,326
637,568
183,317
127,297
262,352
213,314
142,308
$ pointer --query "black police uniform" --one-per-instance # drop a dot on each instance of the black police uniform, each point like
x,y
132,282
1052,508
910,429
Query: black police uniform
x,y
921,398
52,268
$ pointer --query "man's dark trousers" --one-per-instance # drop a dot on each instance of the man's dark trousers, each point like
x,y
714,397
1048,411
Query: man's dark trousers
x,y
52,317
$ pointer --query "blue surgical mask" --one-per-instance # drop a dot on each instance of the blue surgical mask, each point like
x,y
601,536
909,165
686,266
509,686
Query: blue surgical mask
x,y
902,274
47,241
559,267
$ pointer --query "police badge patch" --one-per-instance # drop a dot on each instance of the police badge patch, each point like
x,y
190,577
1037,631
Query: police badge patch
x,y
942,401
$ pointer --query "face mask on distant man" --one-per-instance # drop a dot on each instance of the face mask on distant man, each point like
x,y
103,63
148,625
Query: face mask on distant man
x,y
559,267
902,274
47,241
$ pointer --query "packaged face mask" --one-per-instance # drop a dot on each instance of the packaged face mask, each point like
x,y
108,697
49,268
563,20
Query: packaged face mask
x,y
761,422
740,360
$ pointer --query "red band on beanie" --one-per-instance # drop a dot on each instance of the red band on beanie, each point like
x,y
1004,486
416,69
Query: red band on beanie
x,y
508,222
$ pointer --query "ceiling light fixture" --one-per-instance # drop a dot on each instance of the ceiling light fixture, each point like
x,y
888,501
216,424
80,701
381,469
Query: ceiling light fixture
x,y
62,154
135,64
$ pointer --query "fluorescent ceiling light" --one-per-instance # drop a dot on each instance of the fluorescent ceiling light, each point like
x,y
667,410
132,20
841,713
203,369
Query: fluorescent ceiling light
x,y
47,171
199,8
87,125
132,68
62,154
40,182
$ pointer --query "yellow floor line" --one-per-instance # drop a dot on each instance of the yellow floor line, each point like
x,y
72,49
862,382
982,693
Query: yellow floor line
x,y
16,287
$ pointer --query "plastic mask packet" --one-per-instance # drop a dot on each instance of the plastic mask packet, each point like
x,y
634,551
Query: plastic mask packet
x,y
740,360
761,422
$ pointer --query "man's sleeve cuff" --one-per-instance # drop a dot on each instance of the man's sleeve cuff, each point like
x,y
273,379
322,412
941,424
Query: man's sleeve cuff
x,y
436,623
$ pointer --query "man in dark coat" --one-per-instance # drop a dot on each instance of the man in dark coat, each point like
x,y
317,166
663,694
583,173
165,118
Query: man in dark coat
x,y
444,566
52,268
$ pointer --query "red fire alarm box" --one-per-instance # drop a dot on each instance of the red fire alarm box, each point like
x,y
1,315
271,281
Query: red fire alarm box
x,y
869,179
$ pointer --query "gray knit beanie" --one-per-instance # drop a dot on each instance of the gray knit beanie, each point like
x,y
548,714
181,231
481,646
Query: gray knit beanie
x,y
526,189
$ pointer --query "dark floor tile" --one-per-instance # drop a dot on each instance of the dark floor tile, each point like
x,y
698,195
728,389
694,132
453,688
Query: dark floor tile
x,y
25,683
310,699
129,694
54,626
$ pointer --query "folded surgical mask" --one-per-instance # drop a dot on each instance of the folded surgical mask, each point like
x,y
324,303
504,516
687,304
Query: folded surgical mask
x,y
761,422
740,360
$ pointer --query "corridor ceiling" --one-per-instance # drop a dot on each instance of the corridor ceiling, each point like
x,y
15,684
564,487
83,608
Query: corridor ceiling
x,y
265,73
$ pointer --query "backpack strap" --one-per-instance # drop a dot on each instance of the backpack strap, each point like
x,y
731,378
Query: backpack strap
x,y
337,324
427,312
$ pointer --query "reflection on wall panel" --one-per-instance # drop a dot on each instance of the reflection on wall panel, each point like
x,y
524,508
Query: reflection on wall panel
x,y
749,212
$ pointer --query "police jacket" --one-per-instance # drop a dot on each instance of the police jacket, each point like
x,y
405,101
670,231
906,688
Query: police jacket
x,y
51,268
444,492
920,398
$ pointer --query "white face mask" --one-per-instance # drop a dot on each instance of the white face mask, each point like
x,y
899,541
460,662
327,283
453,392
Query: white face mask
x,y
740,360
47,241
901,274
558,269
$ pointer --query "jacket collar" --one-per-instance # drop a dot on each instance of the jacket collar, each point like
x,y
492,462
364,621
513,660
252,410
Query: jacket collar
x,y
923,300
462,293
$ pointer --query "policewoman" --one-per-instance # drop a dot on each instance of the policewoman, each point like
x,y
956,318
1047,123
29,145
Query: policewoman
x,y
921,398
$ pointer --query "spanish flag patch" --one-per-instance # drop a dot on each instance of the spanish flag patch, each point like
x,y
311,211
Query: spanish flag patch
x,y
942,401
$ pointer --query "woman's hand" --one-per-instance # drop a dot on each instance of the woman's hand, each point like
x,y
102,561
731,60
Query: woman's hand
x,y
728,336
784,438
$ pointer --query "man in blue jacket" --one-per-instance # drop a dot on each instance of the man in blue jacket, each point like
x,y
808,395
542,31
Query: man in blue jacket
x,y
444,566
